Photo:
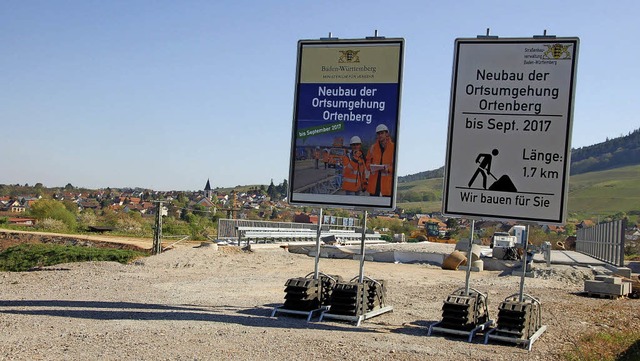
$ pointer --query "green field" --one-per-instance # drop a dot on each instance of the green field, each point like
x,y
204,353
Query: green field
x,y
606,192
590,194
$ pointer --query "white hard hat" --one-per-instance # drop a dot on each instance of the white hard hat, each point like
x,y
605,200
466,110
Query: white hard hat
x,y
355,140
381,128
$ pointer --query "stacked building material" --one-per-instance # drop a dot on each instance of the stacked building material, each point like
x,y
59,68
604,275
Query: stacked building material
x,y
607,286
464,312
349,298
302,294
518,319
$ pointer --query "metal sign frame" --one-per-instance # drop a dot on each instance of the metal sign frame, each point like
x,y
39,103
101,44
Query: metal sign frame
x,y
510,121
346,90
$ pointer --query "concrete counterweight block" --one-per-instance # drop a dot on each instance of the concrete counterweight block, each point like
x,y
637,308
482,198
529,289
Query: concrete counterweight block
x,y
517,319
302,294
349,298
464,312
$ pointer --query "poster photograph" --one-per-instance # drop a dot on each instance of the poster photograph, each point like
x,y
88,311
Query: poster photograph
x,y
345,123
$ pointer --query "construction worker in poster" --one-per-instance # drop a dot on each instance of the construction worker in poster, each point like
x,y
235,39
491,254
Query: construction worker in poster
x,y
316,157
353,169
325,157
379,163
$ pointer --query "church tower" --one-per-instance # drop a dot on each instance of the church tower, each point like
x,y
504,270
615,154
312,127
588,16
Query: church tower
x,y
208,193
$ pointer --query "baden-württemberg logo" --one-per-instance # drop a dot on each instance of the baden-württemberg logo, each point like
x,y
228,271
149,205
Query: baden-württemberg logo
x,y
557,51
349,56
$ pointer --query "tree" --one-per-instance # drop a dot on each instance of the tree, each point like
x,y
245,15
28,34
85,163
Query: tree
x,y
282,188
271,191
49,208
70,206
68,187
570,229
619,216
452,224
87,218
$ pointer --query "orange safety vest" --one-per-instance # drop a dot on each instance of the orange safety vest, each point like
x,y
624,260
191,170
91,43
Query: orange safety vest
x,y
352,174
376,156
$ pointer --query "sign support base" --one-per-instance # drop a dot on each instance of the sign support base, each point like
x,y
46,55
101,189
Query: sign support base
x,y
356,319
528,343
471,334
309,314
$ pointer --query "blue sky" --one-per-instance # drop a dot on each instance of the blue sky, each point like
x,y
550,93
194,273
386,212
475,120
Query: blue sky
x,y
166,94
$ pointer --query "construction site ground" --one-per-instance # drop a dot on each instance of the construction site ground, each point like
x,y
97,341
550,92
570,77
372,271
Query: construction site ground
x,y
203,302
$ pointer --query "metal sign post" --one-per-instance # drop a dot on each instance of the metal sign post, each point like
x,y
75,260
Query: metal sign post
x,y
157,232
465,310
525,245
364,234
469,257
316,271
344,150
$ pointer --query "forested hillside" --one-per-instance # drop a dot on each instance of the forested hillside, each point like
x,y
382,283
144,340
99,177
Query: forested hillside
x,y
436,173
613,153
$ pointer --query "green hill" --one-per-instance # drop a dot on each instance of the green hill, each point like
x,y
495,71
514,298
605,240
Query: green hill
x,y
606,192
594,193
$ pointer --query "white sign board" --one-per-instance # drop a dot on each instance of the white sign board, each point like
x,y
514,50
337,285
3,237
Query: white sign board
x,y
509,139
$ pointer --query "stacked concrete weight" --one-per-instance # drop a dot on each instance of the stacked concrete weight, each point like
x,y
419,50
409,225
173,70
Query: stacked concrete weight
x,y
464,312
302,294
376,294
327,285
517,319
349,299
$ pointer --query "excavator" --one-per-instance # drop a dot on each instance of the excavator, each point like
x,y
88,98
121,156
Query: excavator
x,y
431,233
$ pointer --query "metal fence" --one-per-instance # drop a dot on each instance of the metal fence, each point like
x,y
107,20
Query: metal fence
x,y
227,228
604,242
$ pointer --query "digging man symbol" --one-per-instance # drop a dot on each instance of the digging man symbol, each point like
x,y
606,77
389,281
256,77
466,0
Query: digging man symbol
x,y
484,167
503,184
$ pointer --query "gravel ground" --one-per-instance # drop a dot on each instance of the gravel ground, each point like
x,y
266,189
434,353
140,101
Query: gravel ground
x,y
203,303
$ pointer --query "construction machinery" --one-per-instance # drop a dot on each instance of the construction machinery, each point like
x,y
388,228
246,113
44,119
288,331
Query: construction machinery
x,y
335,157
431,233
504,246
